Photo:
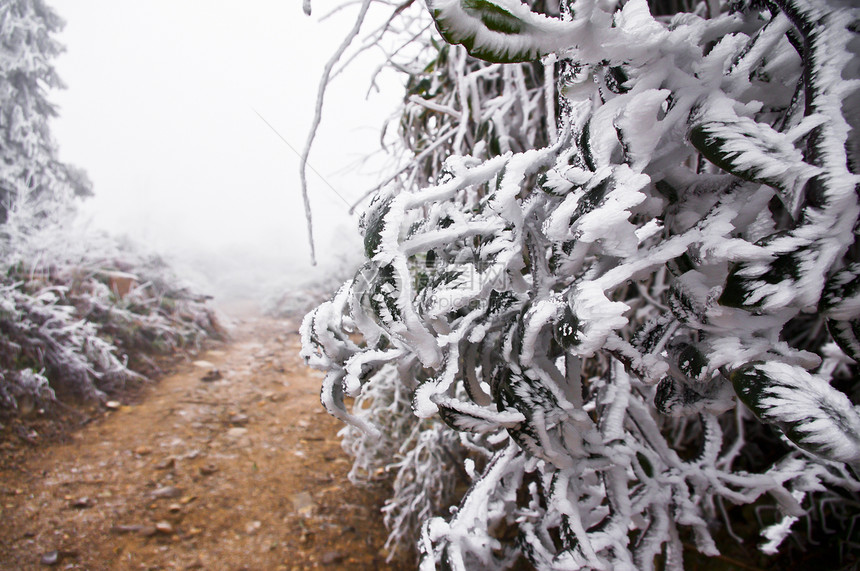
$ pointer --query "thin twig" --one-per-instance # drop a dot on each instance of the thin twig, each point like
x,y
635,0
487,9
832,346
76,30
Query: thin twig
x,y
324,81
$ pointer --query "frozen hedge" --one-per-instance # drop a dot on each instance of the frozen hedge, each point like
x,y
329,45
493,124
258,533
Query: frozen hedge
x,y
615,287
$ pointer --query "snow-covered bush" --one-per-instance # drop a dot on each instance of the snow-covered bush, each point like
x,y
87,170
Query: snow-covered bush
x,y
63,318
46,348
628,328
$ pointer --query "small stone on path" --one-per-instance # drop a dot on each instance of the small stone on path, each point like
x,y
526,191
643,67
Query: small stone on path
x,y
302,501
166,464
166,492
213,375
208,469
331,557
50,558
239,419
82,503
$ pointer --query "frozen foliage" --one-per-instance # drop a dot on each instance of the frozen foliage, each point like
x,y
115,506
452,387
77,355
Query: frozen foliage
x,y
81,311
40,339
575,288
74,306
425,456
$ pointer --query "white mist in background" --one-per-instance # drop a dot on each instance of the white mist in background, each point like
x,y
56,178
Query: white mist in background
x,y
161,109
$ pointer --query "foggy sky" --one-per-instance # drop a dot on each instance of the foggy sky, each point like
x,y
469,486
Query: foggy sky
x,y
160,110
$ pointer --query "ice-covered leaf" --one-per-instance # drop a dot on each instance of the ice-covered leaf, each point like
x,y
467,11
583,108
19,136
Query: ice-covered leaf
x,y
597,317
840,303
639,127
810,412
374,223
755,152
840,299
691,362
501,31
464,416
846,333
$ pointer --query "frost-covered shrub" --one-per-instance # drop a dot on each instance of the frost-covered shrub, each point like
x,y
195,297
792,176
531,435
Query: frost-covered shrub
x,y
647,319
61,320
45,348
160,313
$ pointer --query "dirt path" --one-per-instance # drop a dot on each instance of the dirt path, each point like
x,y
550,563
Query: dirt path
x,y
239,472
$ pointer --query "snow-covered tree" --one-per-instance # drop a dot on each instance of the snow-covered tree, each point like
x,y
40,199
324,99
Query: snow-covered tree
x,y
619,266
34,183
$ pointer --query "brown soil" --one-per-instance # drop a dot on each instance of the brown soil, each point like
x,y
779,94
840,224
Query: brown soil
x,y
241,472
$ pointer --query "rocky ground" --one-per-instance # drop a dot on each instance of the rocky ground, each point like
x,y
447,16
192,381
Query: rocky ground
x,y
228,463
